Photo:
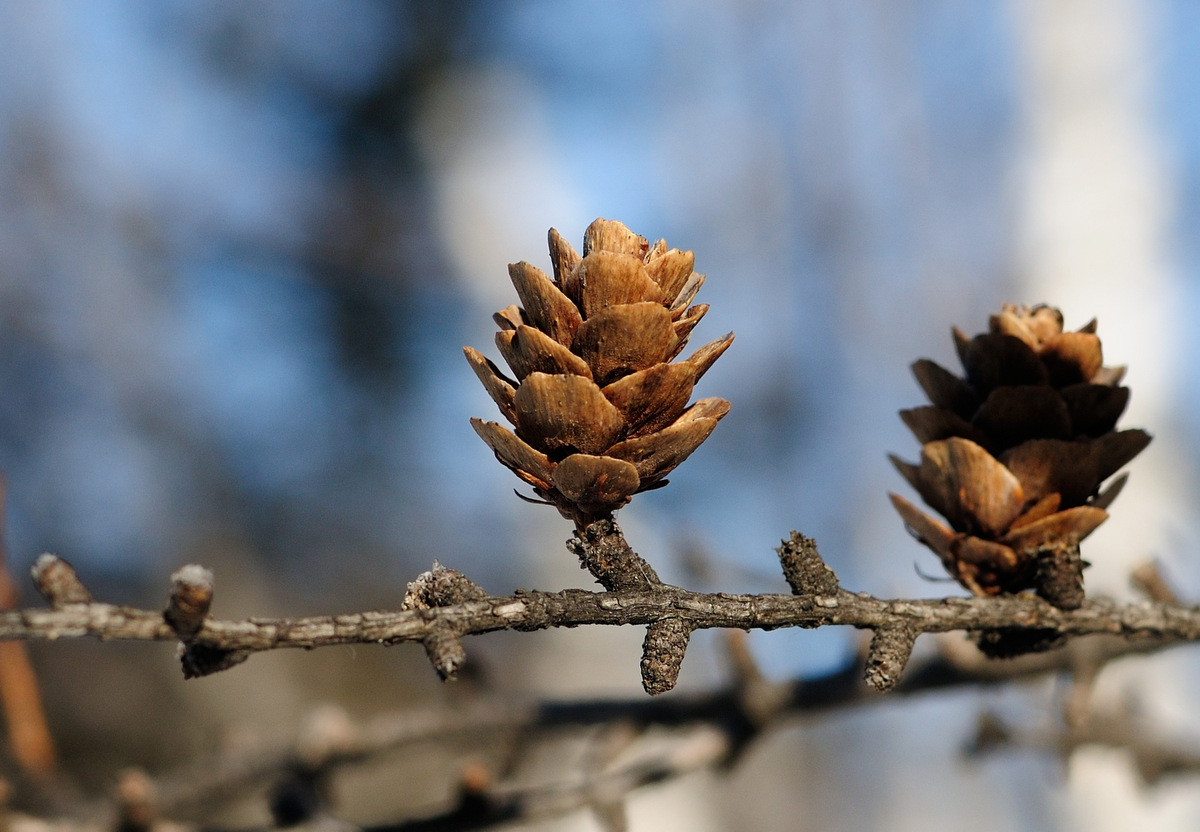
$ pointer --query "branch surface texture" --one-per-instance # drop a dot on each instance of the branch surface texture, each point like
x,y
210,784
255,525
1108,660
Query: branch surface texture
x,y
534,610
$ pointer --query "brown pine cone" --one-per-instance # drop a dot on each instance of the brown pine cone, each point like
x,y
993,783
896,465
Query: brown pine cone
x,y
1014,454
599,405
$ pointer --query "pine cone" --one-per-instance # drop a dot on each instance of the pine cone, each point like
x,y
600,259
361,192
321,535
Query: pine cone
x,y
600,407
1014,454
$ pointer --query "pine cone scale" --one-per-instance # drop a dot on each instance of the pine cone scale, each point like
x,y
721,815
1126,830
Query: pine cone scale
x,y
656,455
513,452
995,359
528,350
502,391
930,424
1095,408
546,307
510,317
593,481
563,257
608,279
671,271
711,408
1054,466
566,412
686,323
623,339
1069,526
687,294
653,398
1041,508
1072,358
613,238
971,488
945,390
1011,415
706,356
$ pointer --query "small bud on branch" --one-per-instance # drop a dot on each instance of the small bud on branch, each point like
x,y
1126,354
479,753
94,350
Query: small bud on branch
x,y
191,597
889,652
803,567
662,654
57,582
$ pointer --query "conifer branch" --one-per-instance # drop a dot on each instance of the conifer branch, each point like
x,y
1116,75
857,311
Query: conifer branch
x,y
1158,621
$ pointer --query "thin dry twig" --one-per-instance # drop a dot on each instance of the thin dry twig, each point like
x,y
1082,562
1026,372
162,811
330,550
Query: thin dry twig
x,y
1154,755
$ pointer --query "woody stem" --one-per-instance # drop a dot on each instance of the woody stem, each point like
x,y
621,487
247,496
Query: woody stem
x,y
1060,576
603,551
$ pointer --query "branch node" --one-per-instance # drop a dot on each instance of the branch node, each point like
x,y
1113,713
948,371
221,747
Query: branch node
x,y
204,660
889,652
603,551
1010,642
191,597
662,654
187,609
441,587
806,572
1059,576
446,652
58,582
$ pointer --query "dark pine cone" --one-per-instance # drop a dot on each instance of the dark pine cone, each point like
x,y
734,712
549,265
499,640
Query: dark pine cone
x,y
1014,454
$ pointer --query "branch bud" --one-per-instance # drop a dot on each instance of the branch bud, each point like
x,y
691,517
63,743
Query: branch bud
x,y
57,582
889,652
1059,576
446,652
805,571
662,654
441,587
203,660
191,596
603,551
